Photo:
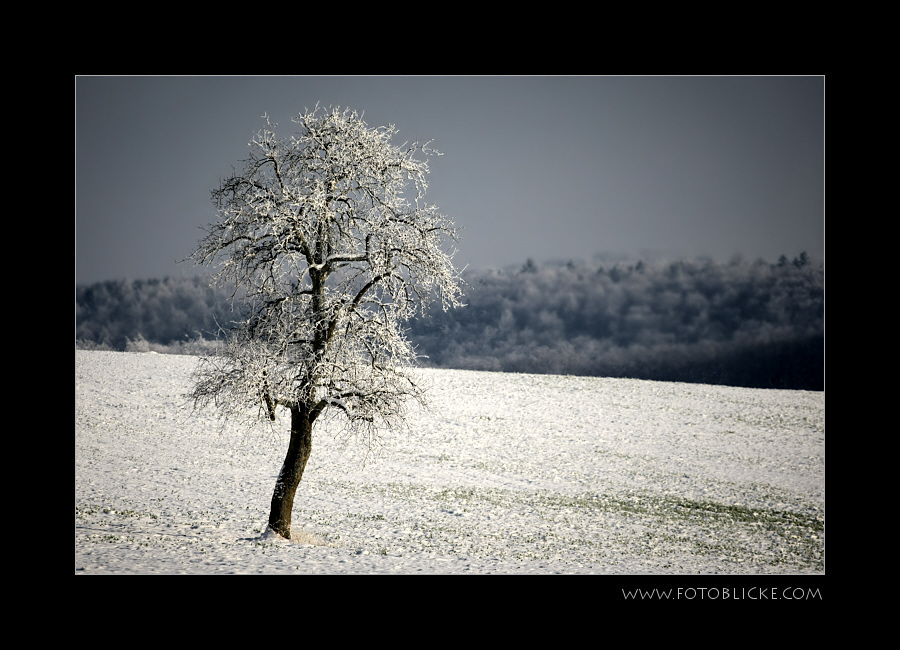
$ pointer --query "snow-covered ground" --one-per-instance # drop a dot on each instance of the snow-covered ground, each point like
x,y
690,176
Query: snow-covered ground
x,y
508,473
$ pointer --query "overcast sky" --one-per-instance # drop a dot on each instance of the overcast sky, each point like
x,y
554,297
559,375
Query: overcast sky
x,y
544,167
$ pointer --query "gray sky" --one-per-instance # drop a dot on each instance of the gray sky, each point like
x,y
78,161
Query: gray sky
x,y
545,167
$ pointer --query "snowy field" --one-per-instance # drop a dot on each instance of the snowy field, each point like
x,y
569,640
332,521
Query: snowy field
x,y
507,474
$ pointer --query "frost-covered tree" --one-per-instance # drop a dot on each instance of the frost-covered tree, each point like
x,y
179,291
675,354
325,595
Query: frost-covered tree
x,y
328,241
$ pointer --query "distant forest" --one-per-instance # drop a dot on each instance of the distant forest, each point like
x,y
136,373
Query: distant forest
x,y
752,324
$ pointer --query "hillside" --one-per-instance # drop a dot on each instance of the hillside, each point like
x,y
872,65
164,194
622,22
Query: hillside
x,y
508,473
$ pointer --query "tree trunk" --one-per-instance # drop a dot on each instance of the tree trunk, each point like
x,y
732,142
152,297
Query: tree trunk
x,y
291,472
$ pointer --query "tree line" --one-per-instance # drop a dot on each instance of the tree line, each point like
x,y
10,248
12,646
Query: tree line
x,y
741,323
171,312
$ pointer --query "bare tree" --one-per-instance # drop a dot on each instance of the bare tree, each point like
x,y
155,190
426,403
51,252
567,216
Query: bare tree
x,y
331,247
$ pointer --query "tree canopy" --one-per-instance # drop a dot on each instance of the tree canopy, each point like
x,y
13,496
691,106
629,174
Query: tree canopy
x,y
330,256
